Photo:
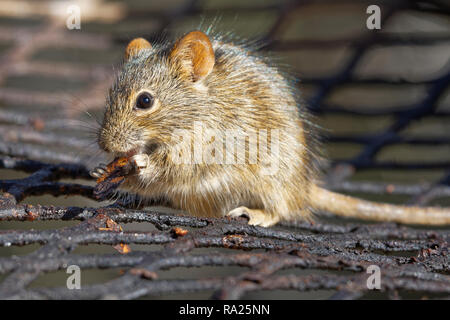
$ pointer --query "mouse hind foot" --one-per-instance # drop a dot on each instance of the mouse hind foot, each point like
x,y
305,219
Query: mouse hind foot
x,y
257,217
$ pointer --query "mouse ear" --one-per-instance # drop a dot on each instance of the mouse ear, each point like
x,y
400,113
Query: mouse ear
x,y
135,46
194,55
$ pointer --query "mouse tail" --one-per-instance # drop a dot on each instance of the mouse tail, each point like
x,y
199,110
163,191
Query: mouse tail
x,y
347,206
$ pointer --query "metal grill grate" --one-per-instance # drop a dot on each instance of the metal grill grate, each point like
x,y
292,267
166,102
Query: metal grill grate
x,y
41,136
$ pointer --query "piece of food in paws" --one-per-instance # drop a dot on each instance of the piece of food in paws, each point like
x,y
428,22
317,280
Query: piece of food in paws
x,y
113,176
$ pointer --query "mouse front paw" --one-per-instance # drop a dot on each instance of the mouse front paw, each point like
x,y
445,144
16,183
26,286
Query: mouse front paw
x,y
141,160
98,171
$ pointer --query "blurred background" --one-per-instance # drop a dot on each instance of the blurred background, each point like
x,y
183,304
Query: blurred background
x,y
381,96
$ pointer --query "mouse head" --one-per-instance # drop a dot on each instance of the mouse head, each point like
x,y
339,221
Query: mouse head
x,y
160,89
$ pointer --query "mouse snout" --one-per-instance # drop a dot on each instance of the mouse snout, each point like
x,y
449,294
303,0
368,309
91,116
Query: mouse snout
x,y
104,145
116,141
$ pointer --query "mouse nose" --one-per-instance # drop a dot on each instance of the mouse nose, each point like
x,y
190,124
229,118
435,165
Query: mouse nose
x,y
104,142
105,148
115,142
103,145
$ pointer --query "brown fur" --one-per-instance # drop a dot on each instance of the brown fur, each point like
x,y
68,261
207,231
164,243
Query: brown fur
x,y
223,86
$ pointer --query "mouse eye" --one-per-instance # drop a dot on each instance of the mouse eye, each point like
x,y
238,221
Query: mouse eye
x,y
144,101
